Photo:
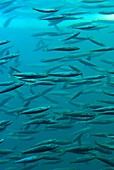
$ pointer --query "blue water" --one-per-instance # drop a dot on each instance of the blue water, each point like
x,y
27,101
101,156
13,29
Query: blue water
x,y
20,31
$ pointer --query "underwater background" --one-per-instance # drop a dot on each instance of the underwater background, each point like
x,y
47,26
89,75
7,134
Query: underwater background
x,y
57,84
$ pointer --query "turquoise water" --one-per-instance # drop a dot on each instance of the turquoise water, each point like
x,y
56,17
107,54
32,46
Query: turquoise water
x,y
66,66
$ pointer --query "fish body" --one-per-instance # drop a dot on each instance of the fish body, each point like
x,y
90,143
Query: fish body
x,y
28,159
4,122
63,49
4,42
65,74
35,110
54,18
79,149
29,75
72,36
42,148
41,121
103,49
95,42
4,61
10,9
102,158
9,56
83,159
12,87
46,10
86,62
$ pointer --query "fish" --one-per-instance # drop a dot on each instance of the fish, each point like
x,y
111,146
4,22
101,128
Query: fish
x,y
106,12
95,77
7,83
100,135
65,74
95,42
4,50
24,132
41,121
3,61
39,115
74,25
102,150
53,68
4,42
11,9
44,142
1,140
29,159
107,61
5,100
52,59
63,142
6,151
109,93
72,36
103,49
39,149
101,121
46,10
54,18
76,13
102,158
104,109
77,94
43,83
6,3
79,149
36,95
12,87
64,48
5,122
29,75
50,157
59,126
50,99
75,68
83,159
105,101
9,56
89,27
35,110
106,146
8,21
86,62
51,33
93,1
